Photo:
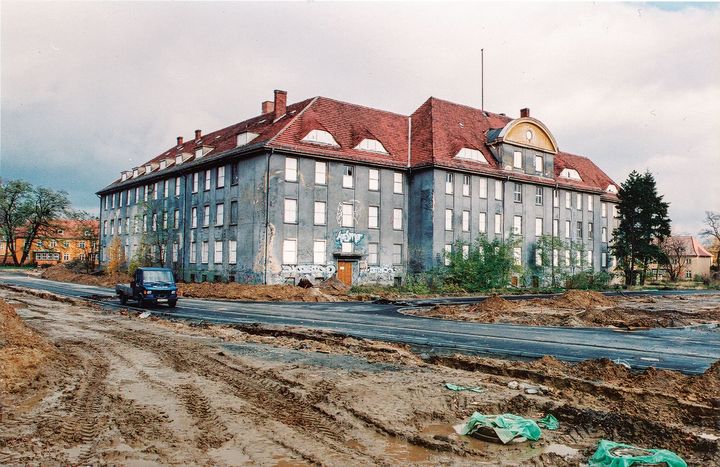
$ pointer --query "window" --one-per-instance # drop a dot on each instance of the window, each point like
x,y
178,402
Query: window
x,y
204,252
232,251
220,179
556,198
290,169
52,243
517,159
517,225
176,219
193,217
498,190
144,221
373,215
397,183
590,202
482,223
604,234
538,196
290,251
590,230
373,253
498,223
567,257
234,173
233,212
120,201
66,257
538,226
206,216
688,274
397,219
449,179
616,211
218,253
538,257
465,251
603,209
245,138
448,252
578,201
196,177
448,219
81,244
579,229
66,244
164,220
320,137
319,252
568,202
517,193
397,253
483,187
320,173
556,227
578,258
178,159
371,145
517,256
589,259
471,154
219,214
199,153
603,259
148,188
466,185
373,180
319,213
567,229
571,174
346,247
166,189
466,221
112,201
539,163
207,180
193,252
611,189
555,258
177,186
290,211
347,180
348,217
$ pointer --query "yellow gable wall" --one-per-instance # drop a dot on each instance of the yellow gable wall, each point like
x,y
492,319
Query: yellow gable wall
x,y
539,140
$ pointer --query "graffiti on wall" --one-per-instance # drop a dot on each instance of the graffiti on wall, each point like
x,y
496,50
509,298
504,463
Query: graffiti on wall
x,y
386,273
348,236
311,271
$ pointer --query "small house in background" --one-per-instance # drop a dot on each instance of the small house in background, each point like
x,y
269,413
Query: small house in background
x,y
67,240
694,260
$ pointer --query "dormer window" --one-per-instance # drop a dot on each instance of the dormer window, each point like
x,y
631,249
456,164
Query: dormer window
x,y
571,174
245,138
471,155
163,164
320,137
136,172
198,153
148,168
124,176
371,145
611,189
178,159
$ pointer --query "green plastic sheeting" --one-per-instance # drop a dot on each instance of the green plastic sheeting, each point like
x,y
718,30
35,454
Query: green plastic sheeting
x,y
549,422
455,387
506,426
611,454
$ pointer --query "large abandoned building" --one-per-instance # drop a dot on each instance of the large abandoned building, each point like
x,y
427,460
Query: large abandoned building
x,y
321,188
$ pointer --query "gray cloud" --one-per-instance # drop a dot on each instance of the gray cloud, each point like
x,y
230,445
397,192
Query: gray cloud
x,y
89,89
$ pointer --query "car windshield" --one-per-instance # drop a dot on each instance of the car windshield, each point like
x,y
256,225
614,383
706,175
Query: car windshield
x,y
158,276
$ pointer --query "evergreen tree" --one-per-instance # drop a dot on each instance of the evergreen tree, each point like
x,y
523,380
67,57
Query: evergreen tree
x,y
644,224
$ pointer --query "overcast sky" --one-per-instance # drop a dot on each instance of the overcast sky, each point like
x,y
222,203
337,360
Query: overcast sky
x,y
90,89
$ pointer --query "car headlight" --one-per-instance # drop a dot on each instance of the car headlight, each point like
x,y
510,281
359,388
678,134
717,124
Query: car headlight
x,y
147,292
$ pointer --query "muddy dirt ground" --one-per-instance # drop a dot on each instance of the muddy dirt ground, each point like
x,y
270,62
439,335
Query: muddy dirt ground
x,y
578,308
107,387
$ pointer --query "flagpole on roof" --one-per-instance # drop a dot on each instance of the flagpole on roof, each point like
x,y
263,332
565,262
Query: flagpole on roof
x,y
482,79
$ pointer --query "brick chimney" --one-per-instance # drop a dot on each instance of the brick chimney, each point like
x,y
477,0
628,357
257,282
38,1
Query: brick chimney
x,y
280,104
180,140
524,112
198,134
267,107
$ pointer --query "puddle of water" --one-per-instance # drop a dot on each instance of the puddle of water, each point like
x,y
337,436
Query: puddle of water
x,y
402,451
281,461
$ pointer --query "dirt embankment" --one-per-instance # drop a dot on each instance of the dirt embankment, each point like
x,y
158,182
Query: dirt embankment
x,y
125,390
62,274
576,308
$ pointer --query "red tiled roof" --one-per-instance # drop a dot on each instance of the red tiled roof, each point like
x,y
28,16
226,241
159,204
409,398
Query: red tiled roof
x,y
692,246
70,229
439,130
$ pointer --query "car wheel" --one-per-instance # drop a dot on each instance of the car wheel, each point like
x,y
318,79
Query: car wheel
x,y
123,299
172,303
142,303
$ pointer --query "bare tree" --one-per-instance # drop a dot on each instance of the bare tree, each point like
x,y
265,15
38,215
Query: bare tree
x,y
673,249
712,221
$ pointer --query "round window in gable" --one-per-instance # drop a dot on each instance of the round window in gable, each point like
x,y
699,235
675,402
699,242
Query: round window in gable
x,y
529,135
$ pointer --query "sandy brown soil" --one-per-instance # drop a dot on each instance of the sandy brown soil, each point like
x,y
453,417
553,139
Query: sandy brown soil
x,y
125,390
578,308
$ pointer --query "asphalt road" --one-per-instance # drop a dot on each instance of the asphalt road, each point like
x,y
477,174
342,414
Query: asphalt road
x,y
690,350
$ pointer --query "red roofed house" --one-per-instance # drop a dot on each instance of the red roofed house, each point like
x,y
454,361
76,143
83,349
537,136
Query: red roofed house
x,y
321,187
695,260
67,240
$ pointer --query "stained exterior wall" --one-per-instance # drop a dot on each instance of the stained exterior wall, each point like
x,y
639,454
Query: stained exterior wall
x,y
422,238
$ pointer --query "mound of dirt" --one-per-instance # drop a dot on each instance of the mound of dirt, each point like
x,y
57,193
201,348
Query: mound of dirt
x,y
265,293
63,274
494,303
22,352
334,285
582,299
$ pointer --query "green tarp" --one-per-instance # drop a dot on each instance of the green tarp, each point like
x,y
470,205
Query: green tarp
x,y
611,454
549,422
506,426
455,387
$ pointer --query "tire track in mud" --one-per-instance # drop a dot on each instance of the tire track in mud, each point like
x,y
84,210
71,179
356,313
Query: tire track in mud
x,y
212,432
272,397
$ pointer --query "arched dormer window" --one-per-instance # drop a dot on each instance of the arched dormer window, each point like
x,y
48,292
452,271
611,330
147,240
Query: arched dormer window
x,y
471,155
611,189
571,174
320,137
371,145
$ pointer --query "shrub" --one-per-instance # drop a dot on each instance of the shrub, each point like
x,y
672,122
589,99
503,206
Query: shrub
x,y
589,281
